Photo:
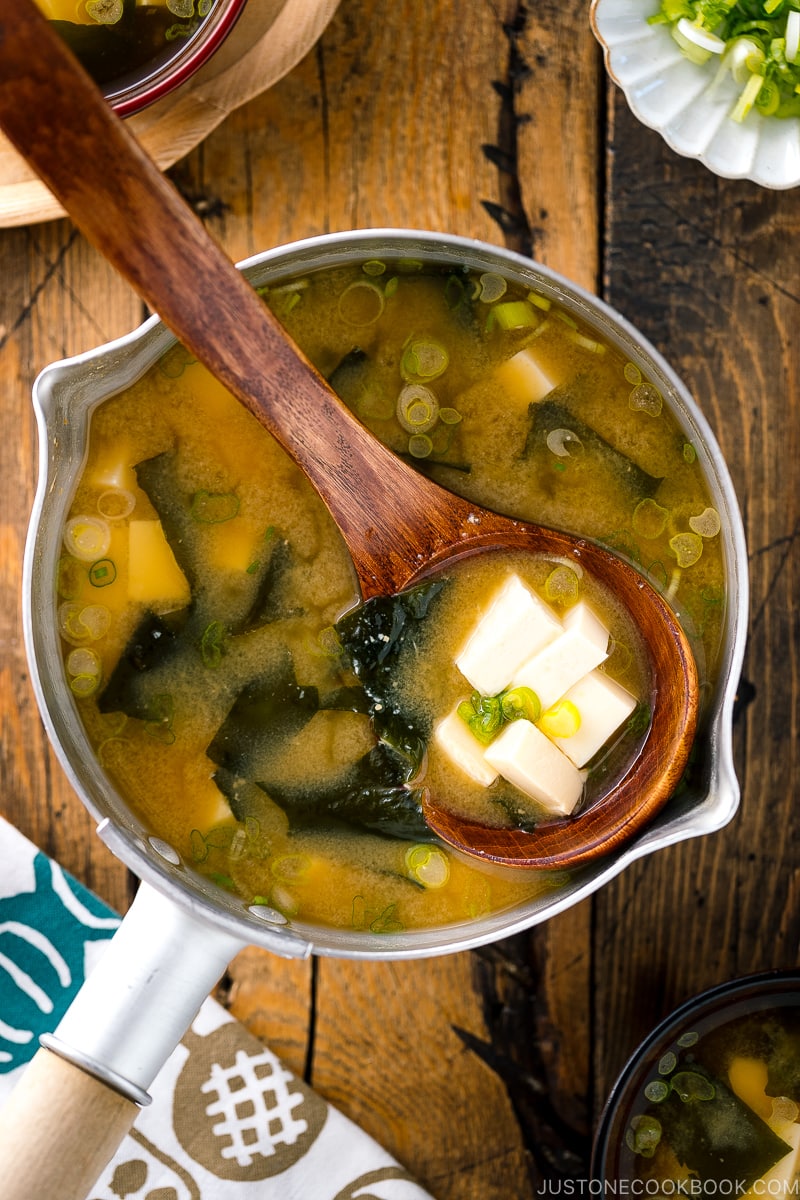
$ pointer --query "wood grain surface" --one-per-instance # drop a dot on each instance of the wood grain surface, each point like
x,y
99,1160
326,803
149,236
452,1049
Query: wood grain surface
x,y
483,1072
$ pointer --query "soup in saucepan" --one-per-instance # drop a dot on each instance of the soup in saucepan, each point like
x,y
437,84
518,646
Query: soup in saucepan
x,y
278,733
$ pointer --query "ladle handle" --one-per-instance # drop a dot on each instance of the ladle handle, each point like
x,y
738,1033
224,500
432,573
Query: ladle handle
x,y
135,217
61,1131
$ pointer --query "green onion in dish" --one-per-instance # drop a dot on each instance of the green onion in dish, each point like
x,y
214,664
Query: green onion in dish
x,y
757,41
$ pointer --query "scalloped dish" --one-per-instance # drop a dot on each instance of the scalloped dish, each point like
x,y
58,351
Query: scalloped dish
x,y
688,104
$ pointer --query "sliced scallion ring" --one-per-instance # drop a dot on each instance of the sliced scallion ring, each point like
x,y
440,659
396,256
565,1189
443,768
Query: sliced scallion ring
x,y
87,538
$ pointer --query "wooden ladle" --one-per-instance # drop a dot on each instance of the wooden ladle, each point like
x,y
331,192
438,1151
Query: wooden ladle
x,y
397,525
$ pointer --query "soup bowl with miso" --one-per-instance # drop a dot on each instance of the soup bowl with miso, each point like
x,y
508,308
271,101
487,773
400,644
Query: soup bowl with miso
x,y
256,742
137,53
709,1104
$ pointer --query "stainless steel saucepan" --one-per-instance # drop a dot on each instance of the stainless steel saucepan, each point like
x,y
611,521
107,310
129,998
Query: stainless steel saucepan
x,y
182,930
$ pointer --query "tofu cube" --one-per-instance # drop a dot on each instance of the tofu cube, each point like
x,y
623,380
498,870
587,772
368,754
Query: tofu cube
x,y
524,379
603,705
525,757
582,646
516,625
454,738
154,577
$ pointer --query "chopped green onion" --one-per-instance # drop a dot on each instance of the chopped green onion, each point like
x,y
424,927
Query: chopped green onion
x,y
540,301
428,865
643,1135
374,267
515,314
70,577
102,573
87,538
423,359
291,868
587,343
649,519
632,373
116,503
520,703
420,445
483,715
162,713
83,623
105,12
687,548
417,408
562,585
453,291
758,41
361,303
83,661
690,1085
707,524
646,398
492,287
212,644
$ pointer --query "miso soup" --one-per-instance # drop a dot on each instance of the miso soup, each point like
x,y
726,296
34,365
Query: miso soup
x,y
278,734
712,1103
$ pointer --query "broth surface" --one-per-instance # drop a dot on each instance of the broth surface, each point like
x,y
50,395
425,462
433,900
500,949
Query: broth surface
x,y
203,580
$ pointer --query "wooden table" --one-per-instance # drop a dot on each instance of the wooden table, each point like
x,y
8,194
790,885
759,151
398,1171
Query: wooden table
x,y
483,1072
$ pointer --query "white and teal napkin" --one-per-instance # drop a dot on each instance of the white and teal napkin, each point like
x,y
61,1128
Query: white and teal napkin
x,y
228,1121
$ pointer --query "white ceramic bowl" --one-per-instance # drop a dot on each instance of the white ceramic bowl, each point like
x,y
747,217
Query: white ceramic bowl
x,y
686,104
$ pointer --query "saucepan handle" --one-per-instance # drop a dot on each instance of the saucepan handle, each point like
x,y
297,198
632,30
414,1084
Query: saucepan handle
x,y
80,1095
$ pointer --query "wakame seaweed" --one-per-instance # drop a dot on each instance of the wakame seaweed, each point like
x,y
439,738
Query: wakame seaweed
x,y
547,416
267,715
269,711
257,596
371,794
155,642
713,1132
374,638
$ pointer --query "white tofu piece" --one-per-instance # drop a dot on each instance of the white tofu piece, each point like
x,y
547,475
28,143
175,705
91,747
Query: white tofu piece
x,y
603,705
581,647
454,738
527,758
515,626
524,379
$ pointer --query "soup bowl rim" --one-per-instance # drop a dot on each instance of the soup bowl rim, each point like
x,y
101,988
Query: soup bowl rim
x,y
64,396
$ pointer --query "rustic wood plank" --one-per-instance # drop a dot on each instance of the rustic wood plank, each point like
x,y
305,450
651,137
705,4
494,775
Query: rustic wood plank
x,y
700,265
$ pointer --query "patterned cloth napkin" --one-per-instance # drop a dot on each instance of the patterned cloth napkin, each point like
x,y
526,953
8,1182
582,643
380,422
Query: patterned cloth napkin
x,y
228,1121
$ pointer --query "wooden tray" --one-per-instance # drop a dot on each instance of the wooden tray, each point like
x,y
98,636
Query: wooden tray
x,y
269,38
